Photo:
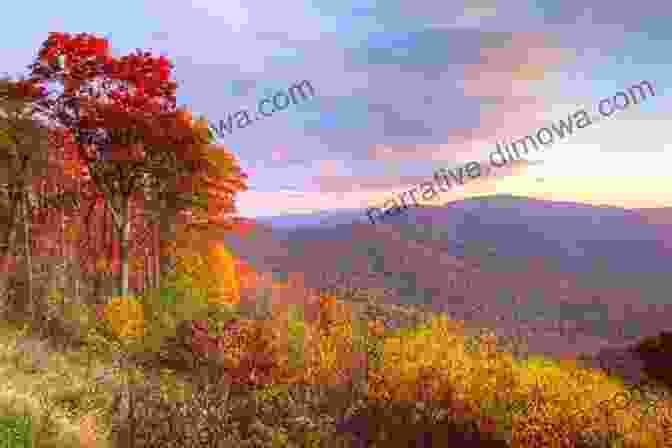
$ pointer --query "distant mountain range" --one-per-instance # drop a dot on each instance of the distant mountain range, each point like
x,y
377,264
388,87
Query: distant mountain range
x,y
576,237
512,262
326,218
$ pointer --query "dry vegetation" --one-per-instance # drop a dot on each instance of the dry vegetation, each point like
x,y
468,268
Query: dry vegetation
x,y
308,383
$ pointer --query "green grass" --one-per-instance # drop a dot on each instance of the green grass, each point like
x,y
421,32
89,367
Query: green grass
x,y
16,431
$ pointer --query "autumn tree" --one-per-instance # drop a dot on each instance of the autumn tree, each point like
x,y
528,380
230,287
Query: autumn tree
x,y
24,162
101,100
202,199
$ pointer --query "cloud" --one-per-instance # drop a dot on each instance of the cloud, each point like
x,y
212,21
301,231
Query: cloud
x,y
384,184
328,168
349,192
494,100
278,154
160,35
258,203
331,184
602,12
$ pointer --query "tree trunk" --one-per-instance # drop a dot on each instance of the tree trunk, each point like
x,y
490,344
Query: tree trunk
x,y
78,271
131,414
6,252
156,268
100,276
65,254
147,277
7,245
108,242
28,259
166,236
124,227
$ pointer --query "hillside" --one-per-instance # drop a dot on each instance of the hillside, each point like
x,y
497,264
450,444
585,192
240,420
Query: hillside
x,y
519,265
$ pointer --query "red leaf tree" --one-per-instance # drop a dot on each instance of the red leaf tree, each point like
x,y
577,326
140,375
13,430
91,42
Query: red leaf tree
x,y
168,171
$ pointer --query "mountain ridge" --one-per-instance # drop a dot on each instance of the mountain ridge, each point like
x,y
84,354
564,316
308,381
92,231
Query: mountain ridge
x,y
505,261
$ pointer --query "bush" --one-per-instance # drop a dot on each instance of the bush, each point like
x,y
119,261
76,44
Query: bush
x,y
655,352
210,272
125,316
296,334
402,424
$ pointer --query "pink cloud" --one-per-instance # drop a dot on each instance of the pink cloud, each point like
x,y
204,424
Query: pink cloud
x,y
334,184
513,118
527,56
331,184
396,151
503,73
278,154
329,167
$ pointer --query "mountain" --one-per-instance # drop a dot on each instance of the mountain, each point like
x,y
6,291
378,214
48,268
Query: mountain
x,y
326,218
576,237
582,276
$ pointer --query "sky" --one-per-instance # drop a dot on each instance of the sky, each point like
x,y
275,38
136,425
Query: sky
x,y
402,89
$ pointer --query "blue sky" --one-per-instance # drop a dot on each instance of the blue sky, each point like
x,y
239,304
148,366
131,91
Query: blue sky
x,y
402,88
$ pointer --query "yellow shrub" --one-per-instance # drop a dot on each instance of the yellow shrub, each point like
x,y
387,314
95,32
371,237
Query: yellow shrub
x,y
125,316
226,284
213,271
573,399
433,362
329,344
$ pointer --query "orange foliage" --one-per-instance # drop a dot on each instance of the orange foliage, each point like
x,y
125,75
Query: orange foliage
x,y
222,264
247,275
